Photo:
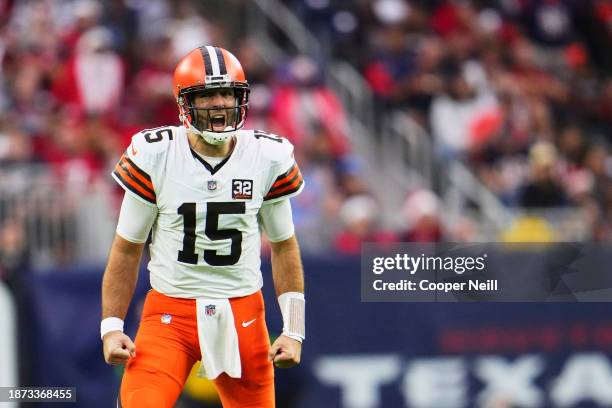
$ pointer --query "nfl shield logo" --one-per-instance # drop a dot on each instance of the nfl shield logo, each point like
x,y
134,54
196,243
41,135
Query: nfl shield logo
x,y
212,184
210,310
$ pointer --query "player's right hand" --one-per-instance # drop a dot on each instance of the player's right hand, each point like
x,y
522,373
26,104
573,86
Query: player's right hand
x,y
118,348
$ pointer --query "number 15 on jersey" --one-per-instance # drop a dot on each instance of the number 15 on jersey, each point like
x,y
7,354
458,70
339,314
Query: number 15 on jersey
x,y
213,211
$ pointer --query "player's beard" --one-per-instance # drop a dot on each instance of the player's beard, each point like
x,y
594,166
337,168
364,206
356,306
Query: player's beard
x,y
204,119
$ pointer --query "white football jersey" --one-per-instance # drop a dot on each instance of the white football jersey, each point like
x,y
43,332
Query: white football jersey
x,y
206,238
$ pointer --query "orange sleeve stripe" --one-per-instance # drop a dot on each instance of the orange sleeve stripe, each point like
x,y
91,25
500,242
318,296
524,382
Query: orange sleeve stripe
x,y
285,191
295,183
129,180
133,184
286,177
138,169
129,167
286,182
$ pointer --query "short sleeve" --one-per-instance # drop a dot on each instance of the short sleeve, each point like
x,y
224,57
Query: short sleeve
x,y
135,219
277,220
133,174
287,180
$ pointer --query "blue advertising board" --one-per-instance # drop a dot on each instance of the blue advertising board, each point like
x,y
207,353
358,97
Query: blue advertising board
x,y
356,355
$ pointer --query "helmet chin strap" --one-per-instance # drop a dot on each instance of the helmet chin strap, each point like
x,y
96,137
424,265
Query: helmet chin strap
x,y
214,138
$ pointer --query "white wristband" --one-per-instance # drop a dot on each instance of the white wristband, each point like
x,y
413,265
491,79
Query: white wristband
x,y
110,324
292,306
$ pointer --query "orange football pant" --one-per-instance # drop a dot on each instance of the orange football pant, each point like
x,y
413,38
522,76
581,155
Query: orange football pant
x,y
166,352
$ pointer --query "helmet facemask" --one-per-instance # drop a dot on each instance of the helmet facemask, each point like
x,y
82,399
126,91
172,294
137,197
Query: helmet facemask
x,y
216,125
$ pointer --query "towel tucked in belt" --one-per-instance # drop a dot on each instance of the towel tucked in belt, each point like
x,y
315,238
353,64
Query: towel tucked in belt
x,y
218,339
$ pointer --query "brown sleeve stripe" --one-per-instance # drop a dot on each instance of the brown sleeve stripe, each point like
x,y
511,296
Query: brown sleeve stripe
x,y
284,178
141,171
137,175
128,164
287,184
147,185
133,184
289,189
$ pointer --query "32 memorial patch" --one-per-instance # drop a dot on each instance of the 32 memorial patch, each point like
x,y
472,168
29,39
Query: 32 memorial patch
x,y
242,189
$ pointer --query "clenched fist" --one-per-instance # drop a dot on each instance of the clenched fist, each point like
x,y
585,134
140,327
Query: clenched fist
x,y
118,348
285,352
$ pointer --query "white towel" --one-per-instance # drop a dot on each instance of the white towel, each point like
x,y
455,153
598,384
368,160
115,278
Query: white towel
x,y
218,339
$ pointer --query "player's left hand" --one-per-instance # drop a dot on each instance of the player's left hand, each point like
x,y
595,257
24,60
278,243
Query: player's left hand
x,y
285,352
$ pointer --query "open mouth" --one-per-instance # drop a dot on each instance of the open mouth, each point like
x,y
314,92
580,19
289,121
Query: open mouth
x,y
217,122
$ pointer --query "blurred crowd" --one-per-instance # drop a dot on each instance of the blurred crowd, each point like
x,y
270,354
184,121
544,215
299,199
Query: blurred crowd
x,y
79,77
519,90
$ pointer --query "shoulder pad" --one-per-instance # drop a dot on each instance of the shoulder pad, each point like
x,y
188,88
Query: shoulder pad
x,y
152,141
275,148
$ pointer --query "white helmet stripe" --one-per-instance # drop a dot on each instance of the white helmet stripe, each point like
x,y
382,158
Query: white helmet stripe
x,y
214,60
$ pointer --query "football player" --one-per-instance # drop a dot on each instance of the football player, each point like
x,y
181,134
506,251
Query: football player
x,y
204,189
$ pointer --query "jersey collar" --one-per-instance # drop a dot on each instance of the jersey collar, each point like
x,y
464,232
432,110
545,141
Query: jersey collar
x,y
210,168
